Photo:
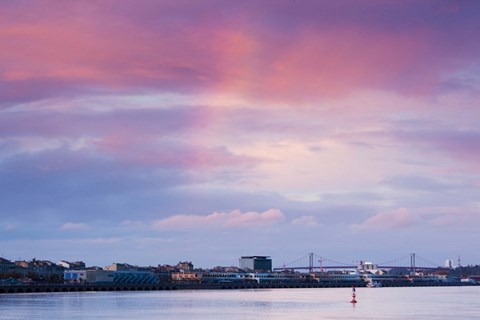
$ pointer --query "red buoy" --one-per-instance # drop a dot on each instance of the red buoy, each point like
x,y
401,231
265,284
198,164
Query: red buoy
x,y
353,295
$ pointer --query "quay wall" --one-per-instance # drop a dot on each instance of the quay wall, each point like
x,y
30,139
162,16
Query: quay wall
x,y
50,288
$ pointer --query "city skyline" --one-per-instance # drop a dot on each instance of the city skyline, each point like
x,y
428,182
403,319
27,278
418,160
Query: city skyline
x,y
168,130
300,264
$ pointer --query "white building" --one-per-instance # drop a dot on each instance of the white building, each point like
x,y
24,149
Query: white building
x,y
78,265
75,276
448,264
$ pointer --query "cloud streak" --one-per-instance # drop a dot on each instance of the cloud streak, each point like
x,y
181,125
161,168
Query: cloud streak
x,y
232,219
71,226
396,219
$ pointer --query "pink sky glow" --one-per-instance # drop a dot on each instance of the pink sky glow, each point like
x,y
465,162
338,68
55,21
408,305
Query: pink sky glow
x,y
207,130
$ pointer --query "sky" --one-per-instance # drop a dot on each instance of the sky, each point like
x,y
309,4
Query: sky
x,y
152,132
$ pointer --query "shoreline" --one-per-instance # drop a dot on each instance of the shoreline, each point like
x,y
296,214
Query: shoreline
x,y
50,288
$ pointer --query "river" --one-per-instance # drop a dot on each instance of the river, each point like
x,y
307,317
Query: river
x,y
422,303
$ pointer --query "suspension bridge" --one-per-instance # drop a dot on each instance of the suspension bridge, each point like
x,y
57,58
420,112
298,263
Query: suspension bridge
x,y
313,262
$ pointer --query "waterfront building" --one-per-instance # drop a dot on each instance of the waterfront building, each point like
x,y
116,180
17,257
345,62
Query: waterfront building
x,y
256,277
166,268
279,277
367,266
427,278
224,277
220,269
337,276
76,265
375,280
99,276
41,268
75,276
88,276
120,267
256,263
184,266
187,276
135,277
7,267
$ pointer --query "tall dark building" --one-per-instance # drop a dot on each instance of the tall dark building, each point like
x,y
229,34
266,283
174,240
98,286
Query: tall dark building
x,y
256,263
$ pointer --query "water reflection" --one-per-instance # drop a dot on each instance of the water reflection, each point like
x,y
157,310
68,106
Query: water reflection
x,y
280,304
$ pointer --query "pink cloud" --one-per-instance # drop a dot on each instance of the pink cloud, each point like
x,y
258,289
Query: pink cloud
x,y
230,219
397,219
270,50
334,62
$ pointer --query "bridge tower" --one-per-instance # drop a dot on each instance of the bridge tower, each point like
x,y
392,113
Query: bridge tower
x,y
412,263
310,262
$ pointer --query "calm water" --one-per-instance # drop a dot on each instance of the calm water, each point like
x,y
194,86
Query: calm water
x,y
373,303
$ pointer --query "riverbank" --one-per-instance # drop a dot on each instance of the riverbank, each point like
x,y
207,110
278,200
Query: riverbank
x,y
39,288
